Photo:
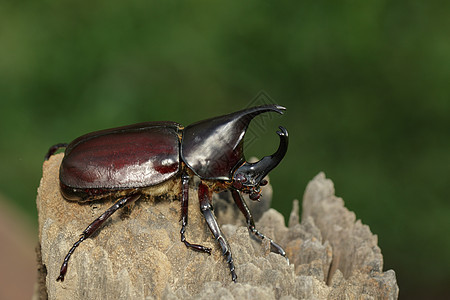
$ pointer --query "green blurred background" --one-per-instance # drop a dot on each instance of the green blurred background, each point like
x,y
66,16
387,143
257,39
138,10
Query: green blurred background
x,y
366,84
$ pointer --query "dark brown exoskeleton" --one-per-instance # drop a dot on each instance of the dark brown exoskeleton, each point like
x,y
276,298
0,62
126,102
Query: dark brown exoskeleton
x,y
130,161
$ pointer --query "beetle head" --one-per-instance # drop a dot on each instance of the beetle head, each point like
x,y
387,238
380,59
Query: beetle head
x,y
250,176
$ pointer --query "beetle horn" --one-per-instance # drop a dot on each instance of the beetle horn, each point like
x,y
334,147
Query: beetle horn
x,y
213,148
247,115
255,172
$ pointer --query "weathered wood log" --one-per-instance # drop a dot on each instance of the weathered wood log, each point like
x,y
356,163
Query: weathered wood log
x,y
138,253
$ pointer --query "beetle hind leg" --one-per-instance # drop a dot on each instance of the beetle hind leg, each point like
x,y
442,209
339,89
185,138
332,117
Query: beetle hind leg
x,y
93,227
53,149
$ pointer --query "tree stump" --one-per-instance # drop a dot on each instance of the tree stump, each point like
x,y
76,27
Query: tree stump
x,y
138,254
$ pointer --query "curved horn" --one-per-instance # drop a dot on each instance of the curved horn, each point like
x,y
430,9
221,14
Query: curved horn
x,y
255,172
213,148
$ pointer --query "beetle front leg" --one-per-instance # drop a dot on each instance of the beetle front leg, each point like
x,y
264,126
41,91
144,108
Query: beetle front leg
x,y
184,215
204,196
240,202
93,227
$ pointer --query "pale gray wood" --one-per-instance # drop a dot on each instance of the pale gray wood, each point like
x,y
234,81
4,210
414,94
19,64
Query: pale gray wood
x,y
139,255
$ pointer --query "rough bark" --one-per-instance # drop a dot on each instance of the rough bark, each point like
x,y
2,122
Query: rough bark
x,y
138,254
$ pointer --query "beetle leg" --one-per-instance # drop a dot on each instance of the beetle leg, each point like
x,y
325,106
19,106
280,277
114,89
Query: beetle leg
x,y
93,227
204,195
53,149
240,202
184,215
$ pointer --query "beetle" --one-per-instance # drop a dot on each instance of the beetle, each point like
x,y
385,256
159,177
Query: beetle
x,y
137,160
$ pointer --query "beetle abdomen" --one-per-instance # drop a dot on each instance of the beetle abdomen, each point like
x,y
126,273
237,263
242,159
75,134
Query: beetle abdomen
x,y
134,156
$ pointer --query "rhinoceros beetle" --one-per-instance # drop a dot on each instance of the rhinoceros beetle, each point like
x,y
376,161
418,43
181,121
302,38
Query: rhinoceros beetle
x,y
132,161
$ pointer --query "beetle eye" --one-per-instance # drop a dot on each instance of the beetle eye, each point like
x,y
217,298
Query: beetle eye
x,y
263,182
240,177
239,180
